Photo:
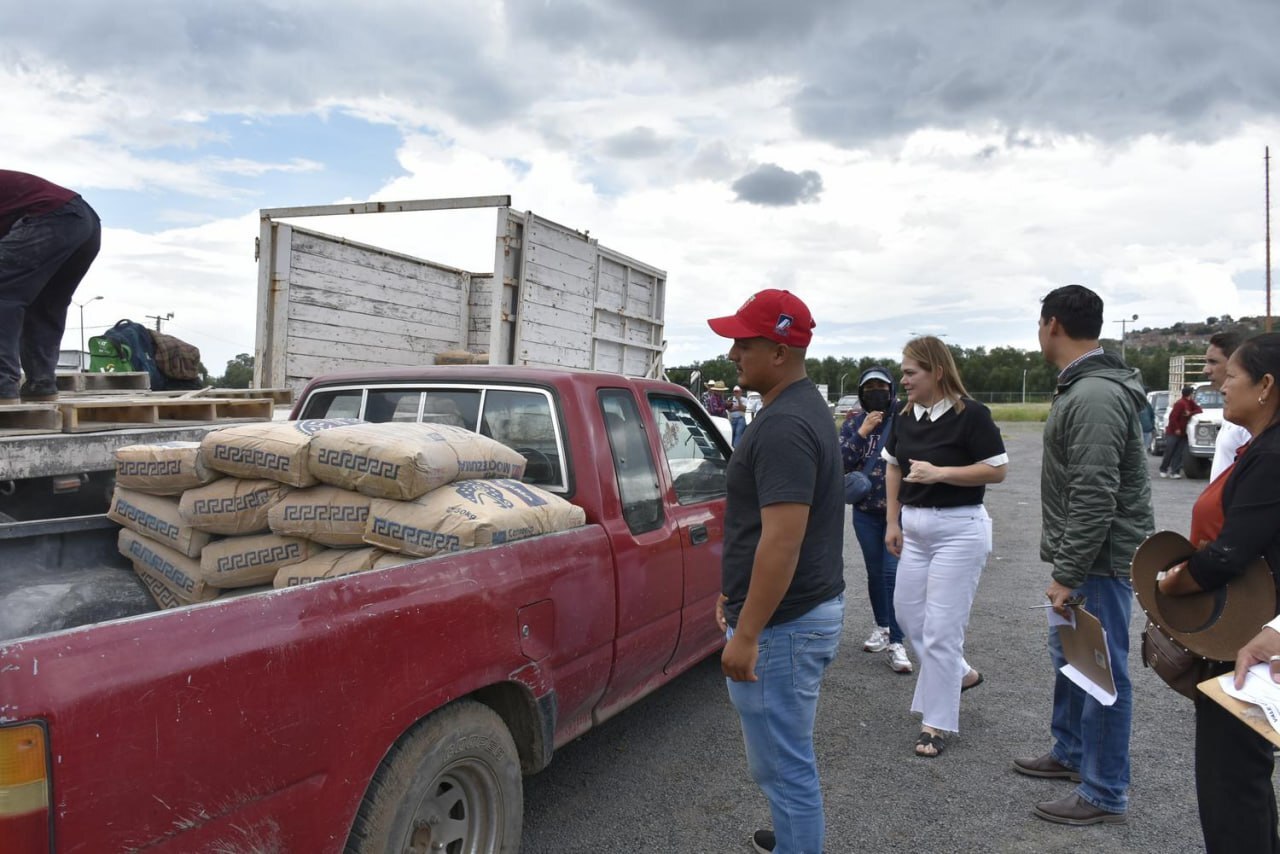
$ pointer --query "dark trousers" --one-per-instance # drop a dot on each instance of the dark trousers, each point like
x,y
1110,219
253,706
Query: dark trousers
x,y
1174,448
1233,784
42,260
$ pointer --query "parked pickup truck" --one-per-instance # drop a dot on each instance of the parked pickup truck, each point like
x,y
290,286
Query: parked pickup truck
x,y
393,710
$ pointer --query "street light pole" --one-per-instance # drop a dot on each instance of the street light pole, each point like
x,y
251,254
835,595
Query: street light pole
x,y
843,377
1123,323
81,305
1024,385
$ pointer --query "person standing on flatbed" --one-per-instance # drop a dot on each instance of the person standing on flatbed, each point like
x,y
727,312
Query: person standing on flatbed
x,y
48,238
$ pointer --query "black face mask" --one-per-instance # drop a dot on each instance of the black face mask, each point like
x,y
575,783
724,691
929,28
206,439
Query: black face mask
x,y
876,400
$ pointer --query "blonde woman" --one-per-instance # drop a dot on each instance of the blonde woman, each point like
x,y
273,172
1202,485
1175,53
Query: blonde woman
x,y
942,452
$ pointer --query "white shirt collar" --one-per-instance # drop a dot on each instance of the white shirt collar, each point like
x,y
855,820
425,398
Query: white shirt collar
x,y
1096,351
934,412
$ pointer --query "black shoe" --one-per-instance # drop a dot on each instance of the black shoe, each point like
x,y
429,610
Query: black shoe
x,y
38,392
763,841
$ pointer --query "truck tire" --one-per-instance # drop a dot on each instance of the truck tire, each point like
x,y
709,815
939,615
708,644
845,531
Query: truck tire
x,y
1196,468
450,784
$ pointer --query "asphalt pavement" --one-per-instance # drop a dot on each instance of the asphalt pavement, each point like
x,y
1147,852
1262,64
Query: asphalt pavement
x,y
668,775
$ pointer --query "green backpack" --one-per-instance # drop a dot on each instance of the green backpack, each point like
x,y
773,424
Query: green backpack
x,y
107,356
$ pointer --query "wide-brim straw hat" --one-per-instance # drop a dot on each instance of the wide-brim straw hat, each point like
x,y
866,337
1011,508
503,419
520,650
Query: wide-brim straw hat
x,y
1215,623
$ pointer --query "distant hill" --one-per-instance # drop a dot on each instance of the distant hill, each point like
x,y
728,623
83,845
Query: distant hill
x,y
1188,332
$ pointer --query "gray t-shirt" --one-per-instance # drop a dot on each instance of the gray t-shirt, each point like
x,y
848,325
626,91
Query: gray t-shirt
x,y
790,454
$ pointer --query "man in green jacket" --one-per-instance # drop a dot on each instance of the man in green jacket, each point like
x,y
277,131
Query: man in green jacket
x,y
1095,495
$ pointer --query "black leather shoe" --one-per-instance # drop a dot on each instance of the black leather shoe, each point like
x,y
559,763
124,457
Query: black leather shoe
x,y
1076,811
763,842
1046,766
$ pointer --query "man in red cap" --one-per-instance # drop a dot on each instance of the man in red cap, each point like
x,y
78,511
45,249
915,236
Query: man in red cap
x,y
782,587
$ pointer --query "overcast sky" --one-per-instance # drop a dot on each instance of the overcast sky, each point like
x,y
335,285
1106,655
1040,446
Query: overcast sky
x,y
932,166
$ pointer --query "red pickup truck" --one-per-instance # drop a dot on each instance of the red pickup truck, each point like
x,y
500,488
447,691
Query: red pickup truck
x,y
394,710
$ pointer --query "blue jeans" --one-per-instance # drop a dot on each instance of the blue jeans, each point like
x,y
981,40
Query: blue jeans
x,y
777,713
882,569
737,426
42,260
1088,736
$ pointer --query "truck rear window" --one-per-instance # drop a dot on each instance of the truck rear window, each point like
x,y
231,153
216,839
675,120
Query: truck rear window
x,y
521,419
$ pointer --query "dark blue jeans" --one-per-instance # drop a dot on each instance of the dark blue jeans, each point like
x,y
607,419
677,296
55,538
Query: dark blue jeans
x,y
882,569
42,260
1088,736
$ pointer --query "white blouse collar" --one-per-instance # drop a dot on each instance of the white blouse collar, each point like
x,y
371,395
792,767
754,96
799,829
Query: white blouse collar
x,y
934,412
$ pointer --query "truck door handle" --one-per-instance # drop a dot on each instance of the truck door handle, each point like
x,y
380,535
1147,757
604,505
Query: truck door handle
x,y
698,535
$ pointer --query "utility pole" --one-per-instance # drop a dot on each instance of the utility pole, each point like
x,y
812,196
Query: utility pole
x,y
158,319
1123,323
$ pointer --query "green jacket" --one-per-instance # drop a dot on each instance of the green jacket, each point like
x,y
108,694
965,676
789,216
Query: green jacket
x,y
1095,492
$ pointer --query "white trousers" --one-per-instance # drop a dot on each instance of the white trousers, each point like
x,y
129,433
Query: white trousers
x,y
943,552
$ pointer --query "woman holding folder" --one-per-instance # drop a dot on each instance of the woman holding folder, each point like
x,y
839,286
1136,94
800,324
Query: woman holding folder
x,y
1235,521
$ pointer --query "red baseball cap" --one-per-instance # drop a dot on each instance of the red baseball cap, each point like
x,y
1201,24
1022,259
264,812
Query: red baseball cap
x,y
777,315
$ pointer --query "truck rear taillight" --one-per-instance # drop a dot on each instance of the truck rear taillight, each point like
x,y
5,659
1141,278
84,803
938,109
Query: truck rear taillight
x,y
24,790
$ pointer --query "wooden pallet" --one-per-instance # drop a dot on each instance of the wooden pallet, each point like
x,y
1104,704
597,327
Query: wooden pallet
x,y
85,415
130,381
279,396
26,418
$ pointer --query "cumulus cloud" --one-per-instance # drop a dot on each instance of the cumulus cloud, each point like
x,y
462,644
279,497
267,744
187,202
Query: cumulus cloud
x,y
769,184
634,144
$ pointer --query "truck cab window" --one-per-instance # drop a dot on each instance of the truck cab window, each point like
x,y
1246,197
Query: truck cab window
x,y
523,421
637,478
334,404
694,457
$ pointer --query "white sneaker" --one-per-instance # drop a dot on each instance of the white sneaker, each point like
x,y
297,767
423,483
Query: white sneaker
x,y
1177,476
1164,474
898,658
878,640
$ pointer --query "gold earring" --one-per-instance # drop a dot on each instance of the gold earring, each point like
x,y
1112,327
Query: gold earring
x,y
1262,401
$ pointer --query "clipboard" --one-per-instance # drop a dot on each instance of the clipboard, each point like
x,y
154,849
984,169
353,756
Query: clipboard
x,y
1247,713
1088,659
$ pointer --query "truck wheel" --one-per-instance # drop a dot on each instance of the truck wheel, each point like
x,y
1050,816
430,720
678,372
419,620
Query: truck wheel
x,y
1196,468
450,784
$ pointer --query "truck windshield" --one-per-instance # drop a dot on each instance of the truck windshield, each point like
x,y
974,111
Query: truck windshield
x,y
1209,399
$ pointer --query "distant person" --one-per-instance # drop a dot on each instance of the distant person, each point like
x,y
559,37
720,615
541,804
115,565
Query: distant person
x,y
711,399
48,238
1175,433
942,452
1230,436
737,408
1238,520
1095,499
782,602
1147,419
862,438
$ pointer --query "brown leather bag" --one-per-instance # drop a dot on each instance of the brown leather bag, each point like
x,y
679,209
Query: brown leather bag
x,y
1181,669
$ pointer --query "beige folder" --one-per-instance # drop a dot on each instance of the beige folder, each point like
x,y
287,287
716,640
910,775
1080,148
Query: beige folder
x,y
1085,647
1249,714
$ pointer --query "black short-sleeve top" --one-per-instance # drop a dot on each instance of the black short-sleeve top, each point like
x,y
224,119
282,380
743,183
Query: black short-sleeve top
x,y
944,435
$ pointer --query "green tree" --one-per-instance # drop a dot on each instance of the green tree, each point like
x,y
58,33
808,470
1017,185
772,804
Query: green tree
x,y
239,373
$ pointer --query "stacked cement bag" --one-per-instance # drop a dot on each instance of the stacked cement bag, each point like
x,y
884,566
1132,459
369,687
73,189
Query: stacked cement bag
x,y
165,468
466,514
290,503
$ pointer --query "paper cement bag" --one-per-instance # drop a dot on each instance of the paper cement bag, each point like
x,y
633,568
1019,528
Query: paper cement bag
x,y
158,518
323,514
177,572
231,506
466,514
164,468
163,596
276,450
390,559
403,461
331,563
246,561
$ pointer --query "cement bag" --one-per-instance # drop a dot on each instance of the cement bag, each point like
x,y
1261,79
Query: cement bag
x,y
232,506
403,461
177,572
390,559
157,518
165,468
466,514
246,561
276,450
323,514
163,596
330,563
